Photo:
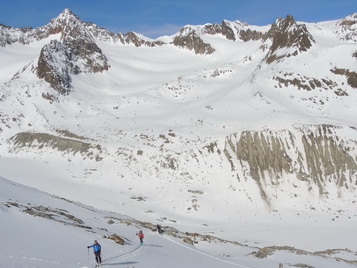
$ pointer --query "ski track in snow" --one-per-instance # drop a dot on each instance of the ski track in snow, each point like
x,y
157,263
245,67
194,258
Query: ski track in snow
x,y
134,252
207,255
127,255
124,256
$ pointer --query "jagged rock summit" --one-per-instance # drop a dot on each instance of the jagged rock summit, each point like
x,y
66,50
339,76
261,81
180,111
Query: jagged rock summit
x,y
348,28
285,33
67,24
70,27
75,52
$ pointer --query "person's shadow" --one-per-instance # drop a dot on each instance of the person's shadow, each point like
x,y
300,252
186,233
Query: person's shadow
x,y
151,245
120,263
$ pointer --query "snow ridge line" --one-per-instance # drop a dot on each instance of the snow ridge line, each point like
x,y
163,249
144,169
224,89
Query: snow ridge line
x,y
207,255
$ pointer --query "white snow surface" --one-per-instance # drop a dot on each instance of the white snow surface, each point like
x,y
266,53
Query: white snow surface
x,y
192,99
34,241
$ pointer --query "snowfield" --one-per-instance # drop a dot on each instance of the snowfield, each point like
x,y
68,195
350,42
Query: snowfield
x,y
60,238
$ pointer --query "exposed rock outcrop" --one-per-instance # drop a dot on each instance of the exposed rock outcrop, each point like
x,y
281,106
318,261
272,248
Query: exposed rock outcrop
x,y
10,35
234,31
39,141
55,214
188,38
103,34
350,75
58,61
347,28
286,33
116,238
76,52
308,83
132,38
318,158
51,69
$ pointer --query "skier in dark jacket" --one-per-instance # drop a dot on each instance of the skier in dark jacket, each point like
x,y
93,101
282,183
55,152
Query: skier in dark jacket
x,y
97,252
159,229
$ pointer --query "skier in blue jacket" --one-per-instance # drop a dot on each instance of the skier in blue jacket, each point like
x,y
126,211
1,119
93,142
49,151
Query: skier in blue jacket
x,y
97,252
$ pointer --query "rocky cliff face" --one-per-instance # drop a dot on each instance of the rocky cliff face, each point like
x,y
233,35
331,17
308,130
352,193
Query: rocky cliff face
x,y
50,66
75,52
10,35
69,145
310,160
103,34
317,158
189,39
287,34
234,31
58,61
347,28
132,38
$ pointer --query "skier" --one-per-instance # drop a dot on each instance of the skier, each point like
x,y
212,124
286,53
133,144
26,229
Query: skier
x,y
159,229
141,237
97,252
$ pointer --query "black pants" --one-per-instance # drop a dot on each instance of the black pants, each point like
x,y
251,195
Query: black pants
x,y
98,257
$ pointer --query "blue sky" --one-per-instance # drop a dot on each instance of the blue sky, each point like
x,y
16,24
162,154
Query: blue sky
x,y
154,18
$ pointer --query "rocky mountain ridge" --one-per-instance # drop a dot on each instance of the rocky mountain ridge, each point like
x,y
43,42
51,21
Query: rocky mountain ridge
x,y
69,25
79,43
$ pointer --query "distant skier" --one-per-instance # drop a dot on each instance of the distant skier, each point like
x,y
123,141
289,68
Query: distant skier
x,y
159,229
97,252
141,237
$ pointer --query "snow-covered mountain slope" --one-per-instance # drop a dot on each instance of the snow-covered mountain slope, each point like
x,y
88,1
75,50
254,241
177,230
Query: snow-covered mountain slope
x,y
41,230
215,124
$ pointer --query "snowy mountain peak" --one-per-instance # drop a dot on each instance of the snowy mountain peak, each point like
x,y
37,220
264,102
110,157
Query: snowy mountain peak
x,y
66,15
352,17
76,51
70,27
284,23
347,28
285,33
189,38
66,23
349,22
